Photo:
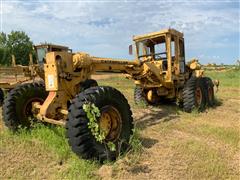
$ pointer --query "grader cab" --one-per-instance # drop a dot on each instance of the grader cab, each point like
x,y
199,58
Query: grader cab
x,y
98,118
165,49
43,49
165,72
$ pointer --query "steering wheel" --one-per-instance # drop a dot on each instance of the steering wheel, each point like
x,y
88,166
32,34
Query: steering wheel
x,y
157,56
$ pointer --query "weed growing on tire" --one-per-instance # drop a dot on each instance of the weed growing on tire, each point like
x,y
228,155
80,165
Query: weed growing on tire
x,y
92,114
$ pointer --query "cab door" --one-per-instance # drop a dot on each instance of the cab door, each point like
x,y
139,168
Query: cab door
x,y
182,56
178,56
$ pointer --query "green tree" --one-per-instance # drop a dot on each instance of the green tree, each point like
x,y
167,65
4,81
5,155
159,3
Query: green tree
x,y
17,43
20,45
4,51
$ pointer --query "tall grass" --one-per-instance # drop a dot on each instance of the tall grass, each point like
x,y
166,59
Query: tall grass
x,y
52,139
230,78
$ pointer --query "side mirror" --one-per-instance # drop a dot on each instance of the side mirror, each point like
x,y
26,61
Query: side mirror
x,y
130,50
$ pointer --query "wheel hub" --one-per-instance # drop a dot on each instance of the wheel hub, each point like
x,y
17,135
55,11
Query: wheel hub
x,y
27,109
198,96
110,122
210,94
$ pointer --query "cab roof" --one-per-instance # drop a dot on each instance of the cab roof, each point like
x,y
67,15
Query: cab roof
x,y
48,45
156,34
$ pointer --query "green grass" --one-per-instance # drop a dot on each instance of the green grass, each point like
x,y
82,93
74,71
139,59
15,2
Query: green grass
x,y
125,86
52,137
136,147
194,125
118,82
79,169
227,135
229,78
203,161
52,140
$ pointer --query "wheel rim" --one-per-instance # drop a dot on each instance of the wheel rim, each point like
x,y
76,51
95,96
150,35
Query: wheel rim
x,y
150,95
27,108
198,96
110,123
210,94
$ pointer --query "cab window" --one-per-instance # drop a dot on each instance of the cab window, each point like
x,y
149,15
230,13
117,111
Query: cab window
x,y
41,55
154,48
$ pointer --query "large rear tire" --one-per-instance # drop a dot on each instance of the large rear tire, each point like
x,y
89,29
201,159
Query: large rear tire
x,y
111,103
194,95
18,104
88,83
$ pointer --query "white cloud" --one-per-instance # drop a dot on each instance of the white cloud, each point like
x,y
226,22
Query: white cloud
x,y
106,28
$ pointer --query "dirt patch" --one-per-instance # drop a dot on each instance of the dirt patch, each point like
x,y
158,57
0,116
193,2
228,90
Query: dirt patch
x,y
105,172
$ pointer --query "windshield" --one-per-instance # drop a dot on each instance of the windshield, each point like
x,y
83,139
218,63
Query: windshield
x,y
154,48
143,49
41,54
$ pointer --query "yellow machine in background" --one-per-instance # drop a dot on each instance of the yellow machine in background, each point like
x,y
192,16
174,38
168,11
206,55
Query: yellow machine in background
x,y
16,74
159,72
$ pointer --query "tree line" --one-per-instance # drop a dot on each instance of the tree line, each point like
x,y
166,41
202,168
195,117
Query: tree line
x,y
15,43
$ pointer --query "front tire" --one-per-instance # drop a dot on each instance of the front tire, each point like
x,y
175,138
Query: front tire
x,y
18,104
111,103
194,95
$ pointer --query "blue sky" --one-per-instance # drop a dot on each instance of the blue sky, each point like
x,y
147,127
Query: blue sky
x,y
105,28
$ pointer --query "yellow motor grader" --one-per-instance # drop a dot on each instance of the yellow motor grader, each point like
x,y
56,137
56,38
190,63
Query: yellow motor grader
x,y
69,96
16,74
